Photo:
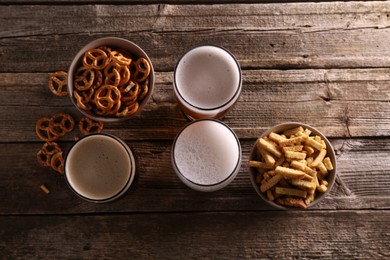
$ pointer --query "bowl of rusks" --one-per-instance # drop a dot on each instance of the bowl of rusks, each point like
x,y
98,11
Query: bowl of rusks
x,y
110,79
292,166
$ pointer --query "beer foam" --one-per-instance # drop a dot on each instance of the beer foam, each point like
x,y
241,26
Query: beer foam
x,y
98,167
206,152
207,77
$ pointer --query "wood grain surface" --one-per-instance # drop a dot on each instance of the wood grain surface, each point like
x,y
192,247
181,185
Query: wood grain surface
x,y
340,102
44,38
266,235
362,183
325,64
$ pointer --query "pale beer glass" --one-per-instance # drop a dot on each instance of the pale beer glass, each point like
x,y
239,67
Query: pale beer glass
x,y
207,82
206,155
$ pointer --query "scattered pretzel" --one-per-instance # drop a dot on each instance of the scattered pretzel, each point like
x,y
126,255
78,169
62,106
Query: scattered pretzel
x,y
58,83
87,126
43,159
57,162
61,123
46,153
51,128
42,129
51,148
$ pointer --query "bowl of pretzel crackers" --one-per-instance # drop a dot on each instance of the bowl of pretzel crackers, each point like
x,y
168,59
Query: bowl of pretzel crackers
x,y
110,79
292,166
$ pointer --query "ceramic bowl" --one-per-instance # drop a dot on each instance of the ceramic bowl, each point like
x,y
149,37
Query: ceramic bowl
x,y
330,153
115,43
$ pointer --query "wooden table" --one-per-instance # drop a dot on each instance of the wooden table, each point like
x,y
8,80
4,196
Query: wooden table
x,y
324,64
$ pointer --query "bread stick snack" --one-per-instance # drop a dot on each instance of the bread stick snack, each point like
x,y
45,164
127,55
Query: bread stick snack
x,y
292,167
270,147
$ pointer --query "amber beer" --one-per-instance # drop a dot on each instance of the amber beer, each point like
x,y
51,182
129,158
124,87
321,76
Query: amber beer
x,y
206,155
99,167
207,82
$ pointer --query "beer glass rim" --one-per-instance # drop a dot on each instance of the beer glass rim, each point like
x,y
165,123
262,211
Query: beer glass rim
x,y
237,91
128,182
231,174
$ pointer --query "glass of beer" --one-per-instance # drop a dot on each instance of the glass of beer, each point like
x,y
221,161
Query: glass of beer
x,y
99,167
207,82
206,155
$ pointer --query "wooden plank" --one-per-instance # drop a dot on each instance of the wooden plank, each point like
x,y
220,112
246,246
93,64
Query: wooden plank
x,y
362,183
297,35
265,235
346,102
139,2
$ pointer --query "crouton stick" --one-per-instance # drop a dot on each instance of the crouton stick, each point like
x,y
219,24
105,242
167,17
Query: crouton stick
x,y
319,158
291,192
272,182
294,202
259,165
294,140
276,137
268,158
295,155
316,145
300,166
289,173
269,147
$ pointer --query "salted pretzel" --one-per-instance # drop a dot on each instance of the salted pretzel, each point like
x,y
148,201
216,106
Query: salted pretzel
x,y
98,79
47,151
111,74
84,98
42,129
100,111
124,73
51,148
108,99
84,78
144,90
120,58
87,126
129,93
106,49
96,58
43,159
140,69
58,83
57,162
126,53
129,110
61,123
